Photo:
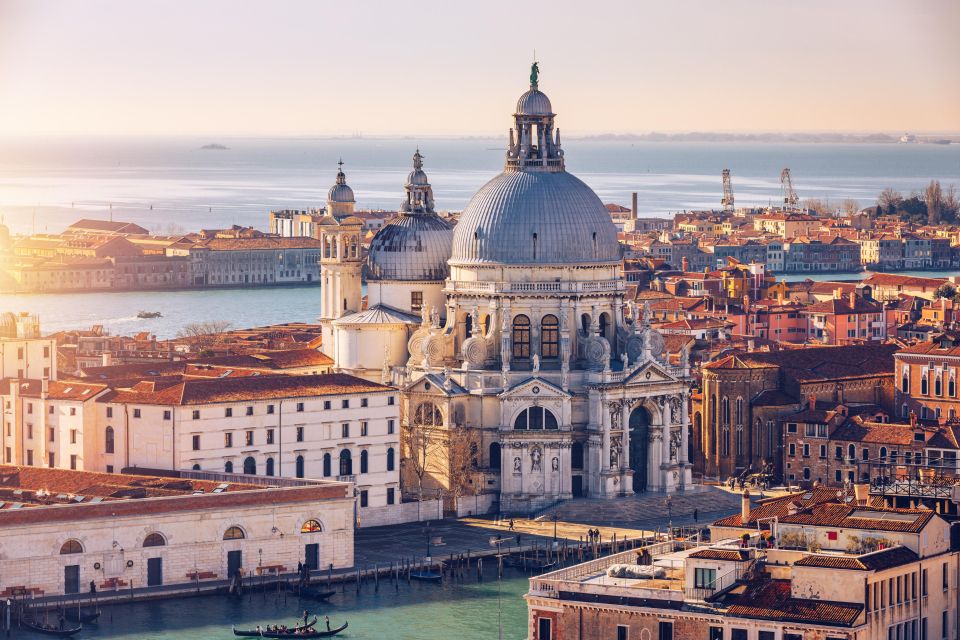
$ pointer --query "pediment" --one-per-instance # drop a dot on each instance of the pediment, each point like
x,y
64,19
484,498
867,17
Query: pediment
x,y
435,384
534,388
650,372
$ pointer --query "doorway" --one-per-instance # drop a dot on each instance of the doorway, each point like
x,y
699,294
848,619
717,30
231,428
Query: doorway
x,y
154,572
71,578
311,554
234,562
639,435
577,486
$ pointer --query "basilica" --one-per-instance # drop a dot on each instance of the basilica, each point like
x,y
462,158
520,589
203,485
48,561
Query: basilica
x,y
509,327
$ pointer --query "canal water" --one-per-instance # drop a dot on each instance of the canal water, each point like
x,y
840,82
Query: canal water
x,y
457,610
243,308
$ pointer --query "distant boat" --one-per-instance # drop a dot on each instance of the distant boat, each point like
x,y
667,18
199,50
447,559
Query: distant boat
x,y
426,576
214,147
144,315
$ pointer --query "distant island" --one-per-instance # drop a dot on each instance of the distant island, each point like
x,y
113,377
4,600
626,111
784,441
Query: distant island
x,y
214,147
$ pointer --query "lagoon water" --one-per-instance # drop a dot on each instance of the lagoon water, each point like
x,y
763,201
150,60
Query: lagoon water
x,y
170,185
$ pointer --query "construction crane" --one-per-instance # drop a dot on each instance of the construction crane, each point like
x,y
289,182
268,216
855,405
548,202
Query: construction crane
x,y
727,200
790,199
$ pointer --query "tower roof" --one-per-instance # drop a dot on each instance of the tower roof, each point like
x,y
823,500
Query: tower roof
x,y
340,191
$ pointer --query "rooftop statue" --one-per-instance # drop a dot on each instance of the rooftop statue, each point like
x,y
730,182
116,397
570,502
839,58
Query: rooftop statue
x,y
534,74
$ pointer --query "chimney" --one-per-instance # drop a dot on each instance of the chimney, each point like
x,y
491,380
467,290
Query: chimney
x,y
812,402
861,491
44,388
684,263
633,206
750,345
853,300
780,297
745,506
107,360
837,293
913,419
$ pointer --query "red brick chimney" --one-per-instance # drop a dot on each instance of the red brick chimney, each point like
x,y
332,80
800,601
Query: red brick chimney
x,y
913,419
812,402
853,300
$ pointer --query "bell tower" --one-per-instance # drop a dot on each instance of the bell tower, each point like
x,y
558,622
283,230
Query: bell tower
x,y
341,259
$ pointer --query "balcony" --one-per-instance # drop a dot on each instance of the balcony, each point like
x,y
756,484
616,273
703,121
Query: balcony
x,y
352,479
594,286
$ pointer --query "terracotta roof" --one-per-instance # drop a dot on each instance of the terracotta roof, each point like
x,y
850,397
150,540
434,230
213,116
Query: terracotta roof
x,y
858,430
779,507
251,244
767,599
732,555
107,225
56,390
853,516
195,392
842,306
875,561
818,363
773,398
890,279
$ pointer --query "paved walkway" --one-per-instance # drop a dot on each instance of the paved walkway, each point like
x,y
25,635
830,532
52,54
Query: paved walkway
x,y
632,517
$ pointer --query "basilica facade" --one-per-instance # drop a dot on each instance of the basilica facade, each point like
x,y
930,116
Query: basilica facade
x,y
511,328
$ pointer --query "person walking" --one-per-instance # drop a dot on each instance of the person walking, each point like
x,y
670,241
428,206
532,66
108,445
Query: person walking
x,y
510,526
327,620
93,586
696,515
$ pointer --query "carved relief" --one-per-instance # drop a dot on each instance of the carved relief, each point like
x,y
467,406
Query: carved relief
x,y
536,455
474,351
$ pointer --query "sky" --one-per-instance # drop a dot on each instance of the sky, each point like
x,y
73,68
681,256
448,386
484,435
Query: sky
x,y
442,67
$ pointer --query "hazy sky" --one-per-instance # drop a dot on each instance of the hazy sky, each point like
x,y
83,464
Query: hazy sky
x,y
456,66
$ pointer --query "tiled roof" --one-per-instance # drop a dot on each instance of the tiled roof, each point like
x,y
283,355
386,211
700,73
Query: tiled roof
x,y
56,390
767,599
196,392
251,244
858,430
779,507
731,555
818,363
852,516
890,279
773,398
107,225
875,561
842,306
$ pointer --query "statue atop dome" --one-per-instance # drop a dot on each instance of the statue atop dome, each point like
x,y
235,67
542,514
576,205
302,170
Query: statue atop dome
x,y
534,73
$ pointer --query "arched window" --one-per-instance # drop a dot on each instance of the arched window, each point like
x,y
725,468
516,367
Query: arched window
x,y
364,461
154,540
739,411
228,467
390,459
535,418
883,454
725,408
905,381
250,466
108,440
924,385
234,533
327,465
952,386
851,452
270,470
196,467
495,455
311,526
428,415
549,337
468,326
938,385
71,546
521,337
346,463
585,322
604,322
299,469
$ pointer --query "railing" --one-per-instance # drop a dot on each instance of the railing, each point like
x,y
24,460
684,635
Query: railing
x,y
721,584
351,479
574,286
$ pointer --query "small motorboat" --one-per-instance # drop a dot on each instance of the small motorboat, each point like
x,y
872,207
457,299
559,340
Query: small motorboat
x,y
290,633
146,315
51,630
426,576
85,616
314,593
298,631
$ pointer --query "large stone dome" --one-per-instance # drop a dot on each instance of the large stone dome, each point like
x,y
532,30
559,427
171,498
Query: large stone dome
x,y
411,247
535,217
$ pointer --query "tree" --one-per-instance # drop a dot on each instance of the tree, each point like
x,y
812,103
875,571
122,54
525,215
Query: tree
x,y
463,454
820,207
422,440
946,290
933,198
890,200
850,206
204,335
951,205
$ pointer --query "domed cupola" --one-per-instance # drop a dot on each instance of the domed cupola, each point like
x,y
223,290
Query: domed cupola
x,y
535,212
415,245
340,200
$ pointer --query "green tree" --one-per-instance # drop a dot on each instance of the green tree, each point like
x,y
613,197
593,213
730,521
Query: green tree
x,y
946,290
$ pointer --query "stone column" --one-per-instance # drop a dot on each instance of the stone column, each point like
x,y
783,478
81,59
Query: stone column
x,y
625,426
665,421
605,425
685,426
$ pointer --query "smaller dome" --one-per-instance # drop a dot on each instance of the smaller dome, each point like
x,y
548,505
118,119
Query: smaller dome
x,y
534,103
417,177
340,191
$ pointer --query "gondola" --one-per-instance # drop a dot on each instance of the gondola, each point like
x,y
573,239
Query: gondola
x,y
426,576
314,593
289,633
253,633
51,631
86,616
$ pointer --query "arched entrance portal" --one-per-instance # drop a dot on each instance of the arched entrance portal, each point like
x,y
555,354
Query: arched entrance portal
x,y
639,436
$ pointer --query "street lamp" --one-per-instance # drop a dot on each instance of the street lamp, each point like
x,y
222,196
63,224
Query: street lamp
x,y
555,517
669,502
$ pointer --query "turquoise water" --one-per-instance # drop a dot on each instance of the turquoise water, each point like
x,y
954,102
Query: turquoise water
x,y
461,611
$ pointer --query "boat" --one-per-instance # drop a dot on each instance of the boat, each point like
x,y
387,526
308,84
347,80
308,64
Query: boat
x,y
426,576
314,593
49,630
145,315
86,616
256,633
290,633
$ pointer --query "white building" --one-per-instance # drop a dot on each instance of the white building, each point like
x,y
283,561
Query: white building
x,y
23,353
330,426
524,337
